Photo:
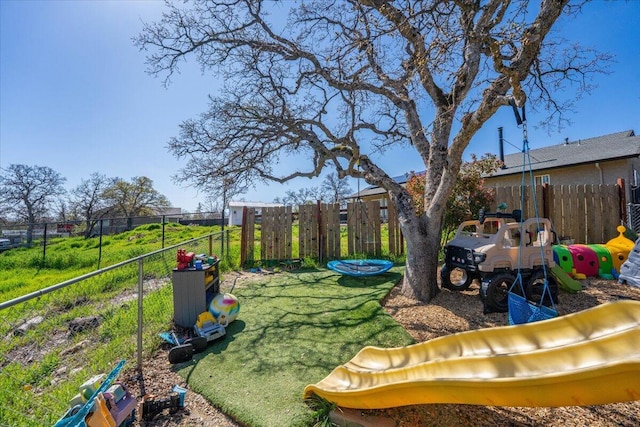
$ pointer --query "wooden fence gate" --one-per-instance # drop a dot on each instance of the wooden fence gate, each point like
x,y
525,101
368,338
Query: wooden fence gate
x,y
363,228
276,235
319,232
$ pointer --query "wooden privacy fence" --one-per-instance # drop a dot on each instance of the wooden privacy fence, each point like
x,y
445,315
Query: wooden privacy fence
x,y
585,213
319,232
582,212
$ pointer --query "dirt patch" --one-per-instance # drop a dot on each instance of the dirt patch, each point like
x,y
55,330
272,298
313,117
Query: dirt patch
x,y
448,313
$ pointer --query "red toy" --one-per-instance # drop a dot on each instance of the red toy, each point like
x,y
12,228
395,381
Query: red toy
x,y
185,259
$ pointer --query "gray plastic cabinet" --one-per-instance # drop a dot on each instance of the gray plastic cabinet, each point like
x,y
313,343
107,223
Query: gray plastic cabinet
x,y
193,290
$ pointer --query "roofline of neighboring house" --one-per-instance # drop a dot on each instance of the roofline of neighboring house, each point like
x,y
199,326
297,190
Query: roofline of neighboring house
x,y
373,190
254,204
626,145
535,166
514,167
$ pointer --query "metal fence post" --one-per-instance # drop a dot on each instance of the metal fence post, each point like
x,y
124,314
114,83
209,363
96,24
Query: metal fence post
x,y
163,225
100,245
140,298
44,245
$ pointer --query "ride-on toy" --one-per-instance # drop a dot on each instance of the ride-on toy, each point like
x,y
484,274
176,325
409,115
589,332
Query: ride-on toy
x,y
490,251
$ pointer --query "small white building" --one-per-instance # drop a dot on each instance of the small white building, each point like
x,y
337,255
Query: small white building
x,y
236,208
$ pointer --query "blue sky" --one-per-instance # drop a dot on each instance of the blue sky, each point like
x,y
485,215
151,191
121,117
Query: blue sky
x,y
74,95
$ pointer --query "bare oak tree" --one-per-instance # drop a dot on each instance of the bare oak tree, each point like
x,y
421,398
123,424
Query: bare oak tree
x,y
29,191
334,189
342,80
87,200
302,196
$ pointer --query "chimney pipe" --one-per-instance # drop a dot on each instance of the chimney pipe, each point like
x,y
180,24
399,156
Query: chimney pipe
x,y
501,144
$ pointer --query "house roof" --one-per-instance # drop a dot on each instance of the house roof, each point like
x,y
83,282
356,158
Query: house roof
x,y
240,204
373,190
614,146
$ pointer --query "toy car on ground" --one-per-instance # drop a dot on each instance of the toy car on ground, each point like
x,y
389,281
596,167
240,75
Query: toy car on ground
x,y
206,326
490,251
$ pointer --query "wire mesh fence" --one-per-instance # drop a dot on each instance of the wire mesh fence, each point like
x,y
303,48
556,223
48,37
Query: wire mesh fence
x,y
55,339
633,217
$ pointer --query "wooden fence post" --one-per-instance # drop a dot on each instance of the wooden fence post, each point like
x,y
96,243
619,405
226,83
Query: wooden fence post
x,y
545,200
331,231
396,240
320,232
247,236
243,237
622,200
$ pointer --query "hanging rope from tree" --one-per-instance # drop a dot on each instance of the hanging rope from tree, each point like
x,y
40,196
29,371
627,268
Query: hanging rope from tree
x,y
522,310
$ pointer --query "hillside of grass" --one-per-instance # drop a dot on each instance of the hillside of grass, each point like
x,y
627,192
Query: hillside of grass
x,y
25,270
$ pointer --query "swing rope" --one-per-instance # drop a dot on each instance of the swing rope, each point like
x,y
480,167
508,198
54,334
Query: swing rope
x,y
521,310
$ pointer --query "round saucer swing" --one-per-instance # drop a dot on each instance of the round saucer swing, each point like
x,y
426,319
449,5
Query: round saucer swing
x,y
360,267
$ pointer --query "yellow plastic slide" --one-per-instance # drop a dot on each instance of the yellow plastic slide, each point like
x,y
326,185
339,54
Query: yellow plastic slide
x,y
587,358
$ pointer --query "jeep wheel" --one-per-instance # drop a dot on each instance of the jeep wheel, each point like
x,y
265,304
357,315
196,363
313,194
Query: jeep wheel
x,y
535,288
496,292
457,279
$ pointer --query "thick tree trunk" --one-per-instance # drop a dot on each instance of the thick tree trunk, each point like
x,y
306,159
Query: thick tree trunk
x,y
421,268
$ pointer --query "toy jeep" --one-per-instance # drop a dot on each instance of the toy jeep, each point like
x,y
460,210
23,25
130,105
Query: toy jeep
x,y
490,251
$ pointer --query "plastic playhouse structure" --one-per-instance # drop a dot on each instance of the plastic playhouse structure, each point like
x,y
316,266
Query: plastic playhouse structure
x,y
585,358
619,247
585,261
605,261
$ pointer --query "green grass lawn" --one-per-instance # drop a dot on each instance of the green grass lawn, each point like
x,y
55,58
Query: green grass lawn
x,y
292,330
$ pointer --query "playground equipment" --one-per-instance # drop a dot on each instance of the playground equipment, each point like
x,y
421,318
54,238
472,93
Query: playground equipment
x,y
564,280
619,247
481,251
360,267
489,250
594,260
585,261
604,260
585,358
